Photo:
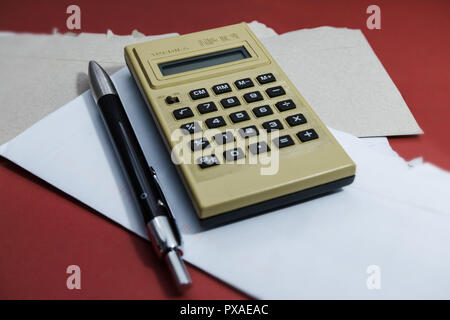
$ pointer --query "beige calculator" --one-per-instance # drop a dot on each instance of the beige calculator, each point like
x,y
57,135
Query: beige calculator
x,y
250,141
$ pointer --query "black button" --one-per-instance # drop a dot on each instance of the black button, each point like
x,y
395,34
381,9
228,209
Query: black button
x,y
206,107
244,83
199,94
224,137
207,161
239,116
259,147
275,91
262,111
234,154
285,105
253,96
183,113
248,132
265,78
191,127
283,141
221,88
171,99
215,122
199,144
307,135
272,125
296,119
230,102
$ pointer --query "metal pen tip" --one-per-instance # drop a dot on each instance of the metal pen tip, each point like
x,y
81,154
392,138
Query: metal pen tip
x,y
99,81
178,270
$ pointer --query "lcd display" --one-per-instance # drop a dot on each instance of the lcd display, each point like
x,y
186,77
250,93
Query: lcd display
x,y
203,61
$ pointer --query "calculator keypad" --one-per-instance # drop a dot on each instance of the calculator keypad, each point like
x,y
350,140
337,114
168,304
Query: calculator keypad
x,y
283,116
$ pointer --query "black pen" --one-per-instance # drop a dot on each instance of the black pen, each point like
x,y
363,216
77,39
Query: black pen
x,y
142,179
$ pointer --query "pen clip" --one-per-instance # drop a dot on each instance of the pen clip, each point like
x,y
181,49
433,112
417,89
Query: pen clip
x,y
164,204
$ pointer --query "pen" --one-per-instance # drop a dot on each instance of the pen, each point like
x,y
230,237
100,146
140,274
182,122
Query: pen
x,y
142,179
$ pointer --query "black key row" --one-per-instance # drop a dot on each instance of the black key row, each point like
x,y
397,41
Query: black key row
x,y
225,87
233,154
251,96
207,107
227,137
236,117
254,148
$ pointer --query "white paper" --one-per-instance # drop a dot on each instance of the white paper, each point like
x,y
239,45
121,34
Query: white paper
x,y
317,249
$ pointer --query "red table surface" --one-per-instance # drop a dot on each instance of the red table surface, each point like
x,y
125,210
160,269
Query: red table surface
x,y
42,230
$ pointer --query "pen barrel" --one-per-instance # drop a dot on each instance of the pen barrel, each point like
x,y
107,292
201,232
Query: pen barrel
x,y
137,172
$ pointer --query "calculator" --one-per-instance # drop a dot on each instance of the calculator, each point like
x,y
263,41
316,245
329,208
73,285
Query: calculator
x,y
244,139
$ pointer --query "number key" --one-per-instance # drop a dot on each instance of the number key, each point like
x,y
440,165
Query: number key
x,y
239,116
230,102
248,132
272,125
215,122
233,154
253,96
262,111
224,137
206,107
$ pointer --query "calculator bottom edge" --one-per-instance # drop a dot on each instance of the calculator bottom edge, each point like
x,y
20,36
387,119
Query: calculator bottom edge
x,y
277,203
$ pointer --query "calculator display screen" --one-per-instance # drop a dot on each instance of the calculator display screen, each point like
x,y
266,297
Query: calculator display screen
x,y
203,61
